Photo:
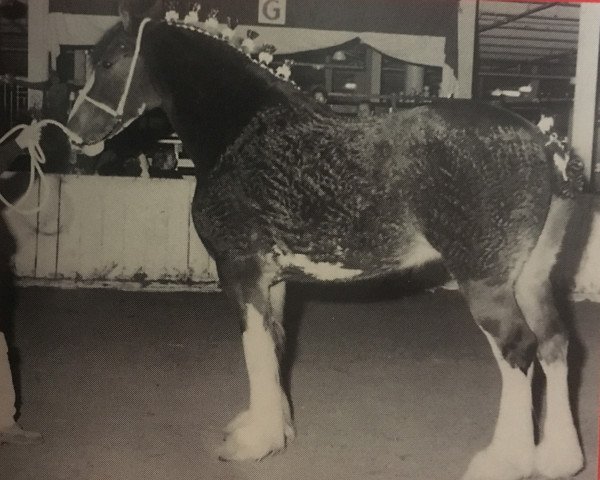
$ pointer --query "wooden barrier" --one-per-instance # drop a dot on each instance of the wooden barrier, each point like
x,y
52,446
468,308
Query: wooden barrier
x,y
113,231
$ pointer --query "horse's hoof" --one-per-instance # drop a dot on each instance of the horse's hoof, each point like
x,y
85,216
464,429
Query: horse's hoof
x,y
245,417
251,442
290,433
251,438
558,459
242,418
494,464
17,436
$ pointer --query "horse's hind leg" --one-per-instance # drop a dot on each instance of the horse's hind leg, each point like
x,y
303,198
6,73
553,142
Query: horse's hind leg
x,y
510,455
559,453
266,425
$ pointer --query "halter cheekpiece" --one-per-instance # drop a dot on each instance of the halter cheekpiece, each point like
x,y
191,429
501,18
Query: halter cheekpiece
x,y
117,113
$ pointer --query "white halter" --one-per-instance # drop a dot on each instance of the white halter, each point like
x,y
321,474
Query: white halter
x,y
118,112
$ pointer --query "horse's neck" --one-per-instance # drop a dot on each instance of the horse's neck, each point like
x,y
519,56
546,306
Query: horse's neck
x,y
210,92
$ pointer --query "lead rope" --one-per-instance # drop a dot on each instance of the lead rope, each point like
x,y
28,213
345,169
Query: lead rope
x,y
37,158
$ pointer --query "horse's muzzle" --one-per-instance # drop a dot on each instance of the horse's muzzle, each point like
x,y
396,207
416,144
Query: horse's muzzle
x,y
88,150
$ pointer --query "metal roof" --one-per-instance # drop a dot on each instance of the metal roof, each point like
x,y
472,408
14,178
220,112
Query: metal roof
x,y
527,32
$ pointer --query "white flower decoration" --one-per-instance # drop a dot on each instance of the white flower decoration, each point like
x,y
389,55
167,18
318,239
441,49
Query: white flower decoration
x,y
171,16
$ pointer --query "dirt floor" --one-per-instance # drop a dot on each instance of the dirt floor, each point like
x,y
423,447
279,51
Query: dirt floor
x,y
137,386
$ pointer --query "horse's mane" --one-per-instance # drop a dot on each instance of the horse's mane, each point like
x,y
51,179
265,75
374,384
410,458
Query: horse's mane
x,y
231,53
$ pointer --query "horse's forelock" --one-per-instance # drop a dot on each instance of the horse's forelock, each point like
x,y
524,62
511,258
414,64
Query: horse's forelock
x,y
143,8
100,48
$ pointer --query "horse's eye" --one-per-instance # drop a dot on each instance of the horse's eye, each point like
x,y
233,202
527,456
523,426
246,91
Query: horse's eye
x,y
106,64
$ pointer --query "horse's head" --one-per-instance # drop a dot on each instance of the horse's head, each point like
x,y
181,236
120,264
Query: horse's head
x,y
118,90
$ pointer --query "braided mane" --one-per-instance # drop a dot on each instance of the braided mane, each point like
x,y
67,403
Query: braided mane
x,y
240,51
287,88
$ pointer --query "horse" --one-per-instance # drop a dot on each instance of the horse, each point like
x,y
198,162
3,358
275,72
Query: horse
x,y
288,191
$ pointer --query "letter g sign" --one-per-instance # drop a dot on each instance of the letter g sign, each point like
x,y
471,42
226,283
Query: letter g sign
x,y
271,11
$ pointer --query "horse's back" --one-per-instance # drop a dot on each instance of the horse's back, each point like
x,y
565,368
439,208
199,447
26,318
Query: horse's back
x,y
471,113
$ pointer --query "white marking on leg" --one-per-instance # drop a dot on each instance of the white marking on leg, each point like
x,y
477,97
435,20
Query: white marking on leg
x,y
261,361
260,430
514,428
559,453
510,455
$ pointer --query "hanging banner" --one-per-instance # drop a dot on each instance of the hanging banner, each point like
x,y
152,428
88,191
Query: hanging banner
x,y
271,11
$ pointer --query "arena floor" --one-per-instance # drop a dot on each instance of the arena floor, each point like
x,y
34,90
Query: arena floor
x,y
137,386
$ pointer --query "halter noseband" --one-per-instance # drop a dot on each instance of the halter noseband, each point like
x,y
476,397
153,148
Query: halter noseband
x,y
117,113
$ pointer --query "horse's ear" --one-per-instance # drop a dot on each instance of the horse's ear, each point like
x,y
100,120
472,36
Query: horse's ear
x,y
132,12
125,19
156,10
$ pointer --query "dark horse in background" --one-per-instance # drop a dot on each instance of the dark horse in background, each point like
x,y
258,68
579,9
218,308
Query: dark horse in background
x,y
288,191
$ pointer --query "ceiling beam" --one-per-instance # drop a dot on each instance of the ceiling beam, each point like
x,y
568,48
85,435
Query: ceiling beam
x,y
524,75
556,56
507,47
543,18
528,28
535,19
529,39
512,18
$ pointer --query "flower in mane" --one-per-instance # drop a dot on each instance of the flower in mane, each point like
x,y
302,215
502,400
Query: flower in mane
x,y
171,12
285,71
211,24
265,56
193,15
249,45
171,16
228,31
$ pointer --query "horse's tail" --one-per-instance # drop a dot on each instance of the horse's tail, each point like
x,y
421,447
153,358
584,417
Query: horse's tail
x,y
569,176
568,222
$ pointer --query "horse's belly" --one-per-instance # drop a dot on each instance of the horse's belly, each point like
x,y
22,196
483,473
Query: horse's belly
x,y
357,265
301,266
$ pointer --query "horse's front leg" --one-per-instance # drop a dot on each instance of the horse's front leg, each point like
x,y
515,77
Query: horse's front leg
x,y
265,427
